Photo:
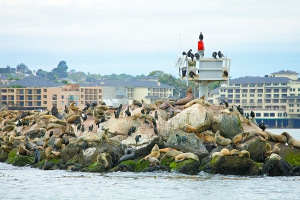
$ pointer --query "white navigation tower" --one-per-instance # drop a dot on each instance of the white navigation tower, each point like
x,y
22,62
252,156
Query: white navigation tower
x,y
202,70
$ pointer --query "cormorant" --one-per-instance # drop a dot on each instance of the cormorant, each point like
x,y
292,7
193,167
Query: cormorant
x,y
252,114
178,139
220,54
137,139
156,115
214,55
201,36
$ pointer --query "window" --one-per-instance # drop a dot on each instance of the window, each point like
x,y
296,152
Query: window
x,y
259,85
230,96
251,95
282,100
283,90
276,90
259,100
237,96
291,105
259,95
252,85
237,84
283,84
252,90
251,101
21,103
284,95
44,102
260,91
244,95
275,100
44,96
245,85
268,90
268,101
275,84
230,90
257,114
266,114
276,95
272,114
44,90
245,91
268,95
244,100
237,101
291,110
237,91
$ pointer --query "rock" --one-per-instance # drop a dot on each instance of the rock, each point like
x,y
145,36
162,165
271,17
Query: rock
x,y
229,125
193,144
256,147
188,166
277,166
125,166
233,165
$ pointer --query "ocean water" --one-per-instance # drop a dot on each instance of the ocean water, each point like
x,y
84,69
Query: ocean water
x,y
31,183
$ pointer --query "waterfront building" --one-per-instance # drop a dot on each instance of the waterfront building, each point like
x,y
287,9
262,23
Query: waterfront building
x,y
275,98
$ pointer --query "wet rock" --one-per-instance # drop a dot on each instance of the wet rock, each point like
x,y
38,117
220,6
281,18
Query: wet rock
x,y
233,165
277,166
188,166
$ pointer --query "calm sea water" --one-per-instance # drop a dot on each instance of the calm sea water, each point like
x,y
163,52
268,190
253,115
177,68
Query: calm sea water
x,y
31,183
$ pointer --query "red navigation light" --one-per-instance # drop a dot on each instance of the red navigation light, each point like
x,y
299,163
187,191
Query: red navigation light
x,y
200,45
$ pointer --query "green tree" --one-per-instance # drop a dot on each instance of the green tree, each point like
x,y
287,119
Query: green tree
x,y
22,68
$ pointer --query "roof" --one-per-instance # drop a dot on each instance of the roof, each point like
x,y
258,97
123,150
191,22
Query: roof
x,y
129,83
285,72
256,79
35,81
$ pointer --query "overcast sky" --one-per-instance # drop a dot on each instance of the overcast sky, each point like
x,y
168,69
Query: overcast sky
x,y
139,36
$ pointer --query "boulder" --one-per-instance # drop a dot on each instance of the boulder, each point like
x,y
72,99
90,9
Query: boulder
x,y
189,166
277,166
193,144
233,165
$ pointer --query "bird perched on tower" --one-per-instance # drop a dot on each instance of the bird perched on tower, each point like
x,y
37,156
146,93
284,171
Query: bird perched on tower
x,y
201,36
214,55
220,54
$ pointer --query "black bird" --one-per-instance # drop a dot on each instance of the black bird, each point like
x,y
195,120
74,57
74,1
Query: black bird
x,y
183,139
241,110
77,121
192,74
262,126
192,56
231,109
189,53
37,155
252,114
146,121
156,115
91,127
143,111
50,134
83,116
131,130
178,139
214,55
183,53
87,104
93,105
84,145
155,130
153,122
98,123
78,126
117,113
220,54
201,36
148,111
226,104
127,112
82,128
172,114
19,123
247,115
197,55
183,72
225,73
137,139
120,106
66,110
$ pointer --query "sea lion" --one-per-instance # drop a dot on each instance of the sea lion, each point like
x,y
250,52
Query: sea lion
x,y
275,149
102,107
242,137
291,141
220,140
74,108
153,161
277,138
154,152
170,154
195,101
48,153
215,154
22,150
47,117
165,150
234,152
188,128
129,154
104,136
72,118
89,138
189,97
185,156
244,154
225,152
104,160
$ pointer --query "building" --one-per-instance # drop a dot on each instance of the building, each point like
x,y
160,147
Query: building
x,y
275,98
119,91
36,92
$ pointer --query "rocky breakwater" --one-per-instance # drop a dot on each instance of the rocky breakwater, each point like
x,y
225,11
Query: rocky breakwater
x,y
186,136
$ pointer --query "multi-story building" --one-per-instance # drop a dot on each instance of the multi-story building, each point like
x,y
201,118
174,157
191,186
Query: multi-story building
x,y
36,92
147,88
275,98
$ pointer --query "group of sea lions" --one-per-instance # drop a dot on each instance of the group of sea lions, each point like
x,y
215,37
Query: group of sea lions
x,y
44,135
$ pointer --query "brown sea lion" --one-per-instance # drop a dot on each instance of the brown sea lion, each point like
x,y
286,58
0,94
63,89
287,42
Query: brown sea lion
x,y
154,152
277,138
189,97
170,154
195,101
104,159
291,141
234,152
188,128
275,149
72,118
244,154
225,152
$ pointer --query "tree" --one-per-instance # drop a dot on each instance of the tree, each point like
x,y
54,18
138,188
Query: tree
x,y
41,73
22,68
61,70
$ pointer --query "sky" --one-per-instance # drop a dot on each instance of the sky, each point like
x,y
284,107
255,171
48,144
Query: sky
x,y
139,36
